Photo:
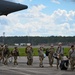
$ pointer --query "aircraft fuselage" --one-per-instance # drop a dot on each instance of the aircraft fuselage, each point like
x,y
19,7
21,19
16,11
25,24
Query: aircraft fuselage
x,y
7,7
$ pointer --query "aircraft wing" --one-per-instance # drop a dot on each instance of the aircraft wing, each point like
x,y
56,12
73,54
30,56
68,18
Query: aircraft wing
x,y
7,7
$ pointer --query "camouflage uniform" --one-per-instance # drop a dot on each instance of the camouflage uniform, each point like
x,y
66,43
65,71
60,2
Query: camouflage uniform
x,y
0,53
29,52
72,57
59,52
6,54
41,56
50,56
15,55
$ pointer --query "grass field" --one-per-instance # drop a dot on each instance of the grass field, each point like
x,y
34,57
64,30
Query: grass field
x,y
35,51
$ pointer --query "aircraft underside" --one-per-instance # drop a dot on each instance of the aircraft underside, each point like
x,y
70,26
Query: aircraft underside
x,y
7,7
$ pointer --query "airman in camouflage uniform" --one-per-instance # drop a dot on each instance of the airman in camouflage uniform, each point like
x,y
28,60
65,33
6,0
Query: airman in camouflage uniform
x,y
72,57
59,52
29,52
6,54
15,55
41,56
0,53
50,55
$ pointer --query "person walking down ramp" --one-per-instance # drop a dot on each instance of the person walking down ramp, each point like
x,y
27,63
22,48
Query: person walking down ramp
x,y
72,57
15,55
41,56
50,55
1,53
29,52
59,53
6,54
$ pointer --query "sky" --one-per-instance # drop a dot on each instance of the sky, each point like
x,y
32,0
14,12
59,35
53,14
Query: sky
x,y
42,18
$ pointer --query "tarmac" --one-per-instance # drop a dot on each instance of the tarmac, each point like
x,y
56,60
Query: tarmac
x,y
23,69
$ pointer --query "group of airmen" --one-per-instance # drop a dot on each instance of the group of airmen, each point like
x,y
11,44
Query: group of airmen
x,y
5,53
58,54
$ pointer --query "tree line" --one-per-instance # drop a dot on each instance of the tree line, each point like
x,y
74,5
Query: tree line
x,y
35,40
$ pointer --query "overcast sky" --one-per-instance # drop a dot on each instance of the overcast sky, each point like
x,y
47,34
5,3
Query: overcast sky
x,y
42,18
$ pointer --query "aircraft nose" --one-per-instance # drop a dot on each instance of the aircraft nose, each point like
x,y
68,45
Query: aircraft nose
x,y
24,6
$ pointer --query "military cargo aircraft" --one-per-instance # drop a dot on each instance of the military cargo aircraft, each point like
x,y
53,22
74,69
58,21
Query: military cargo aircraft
x,y
7,7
